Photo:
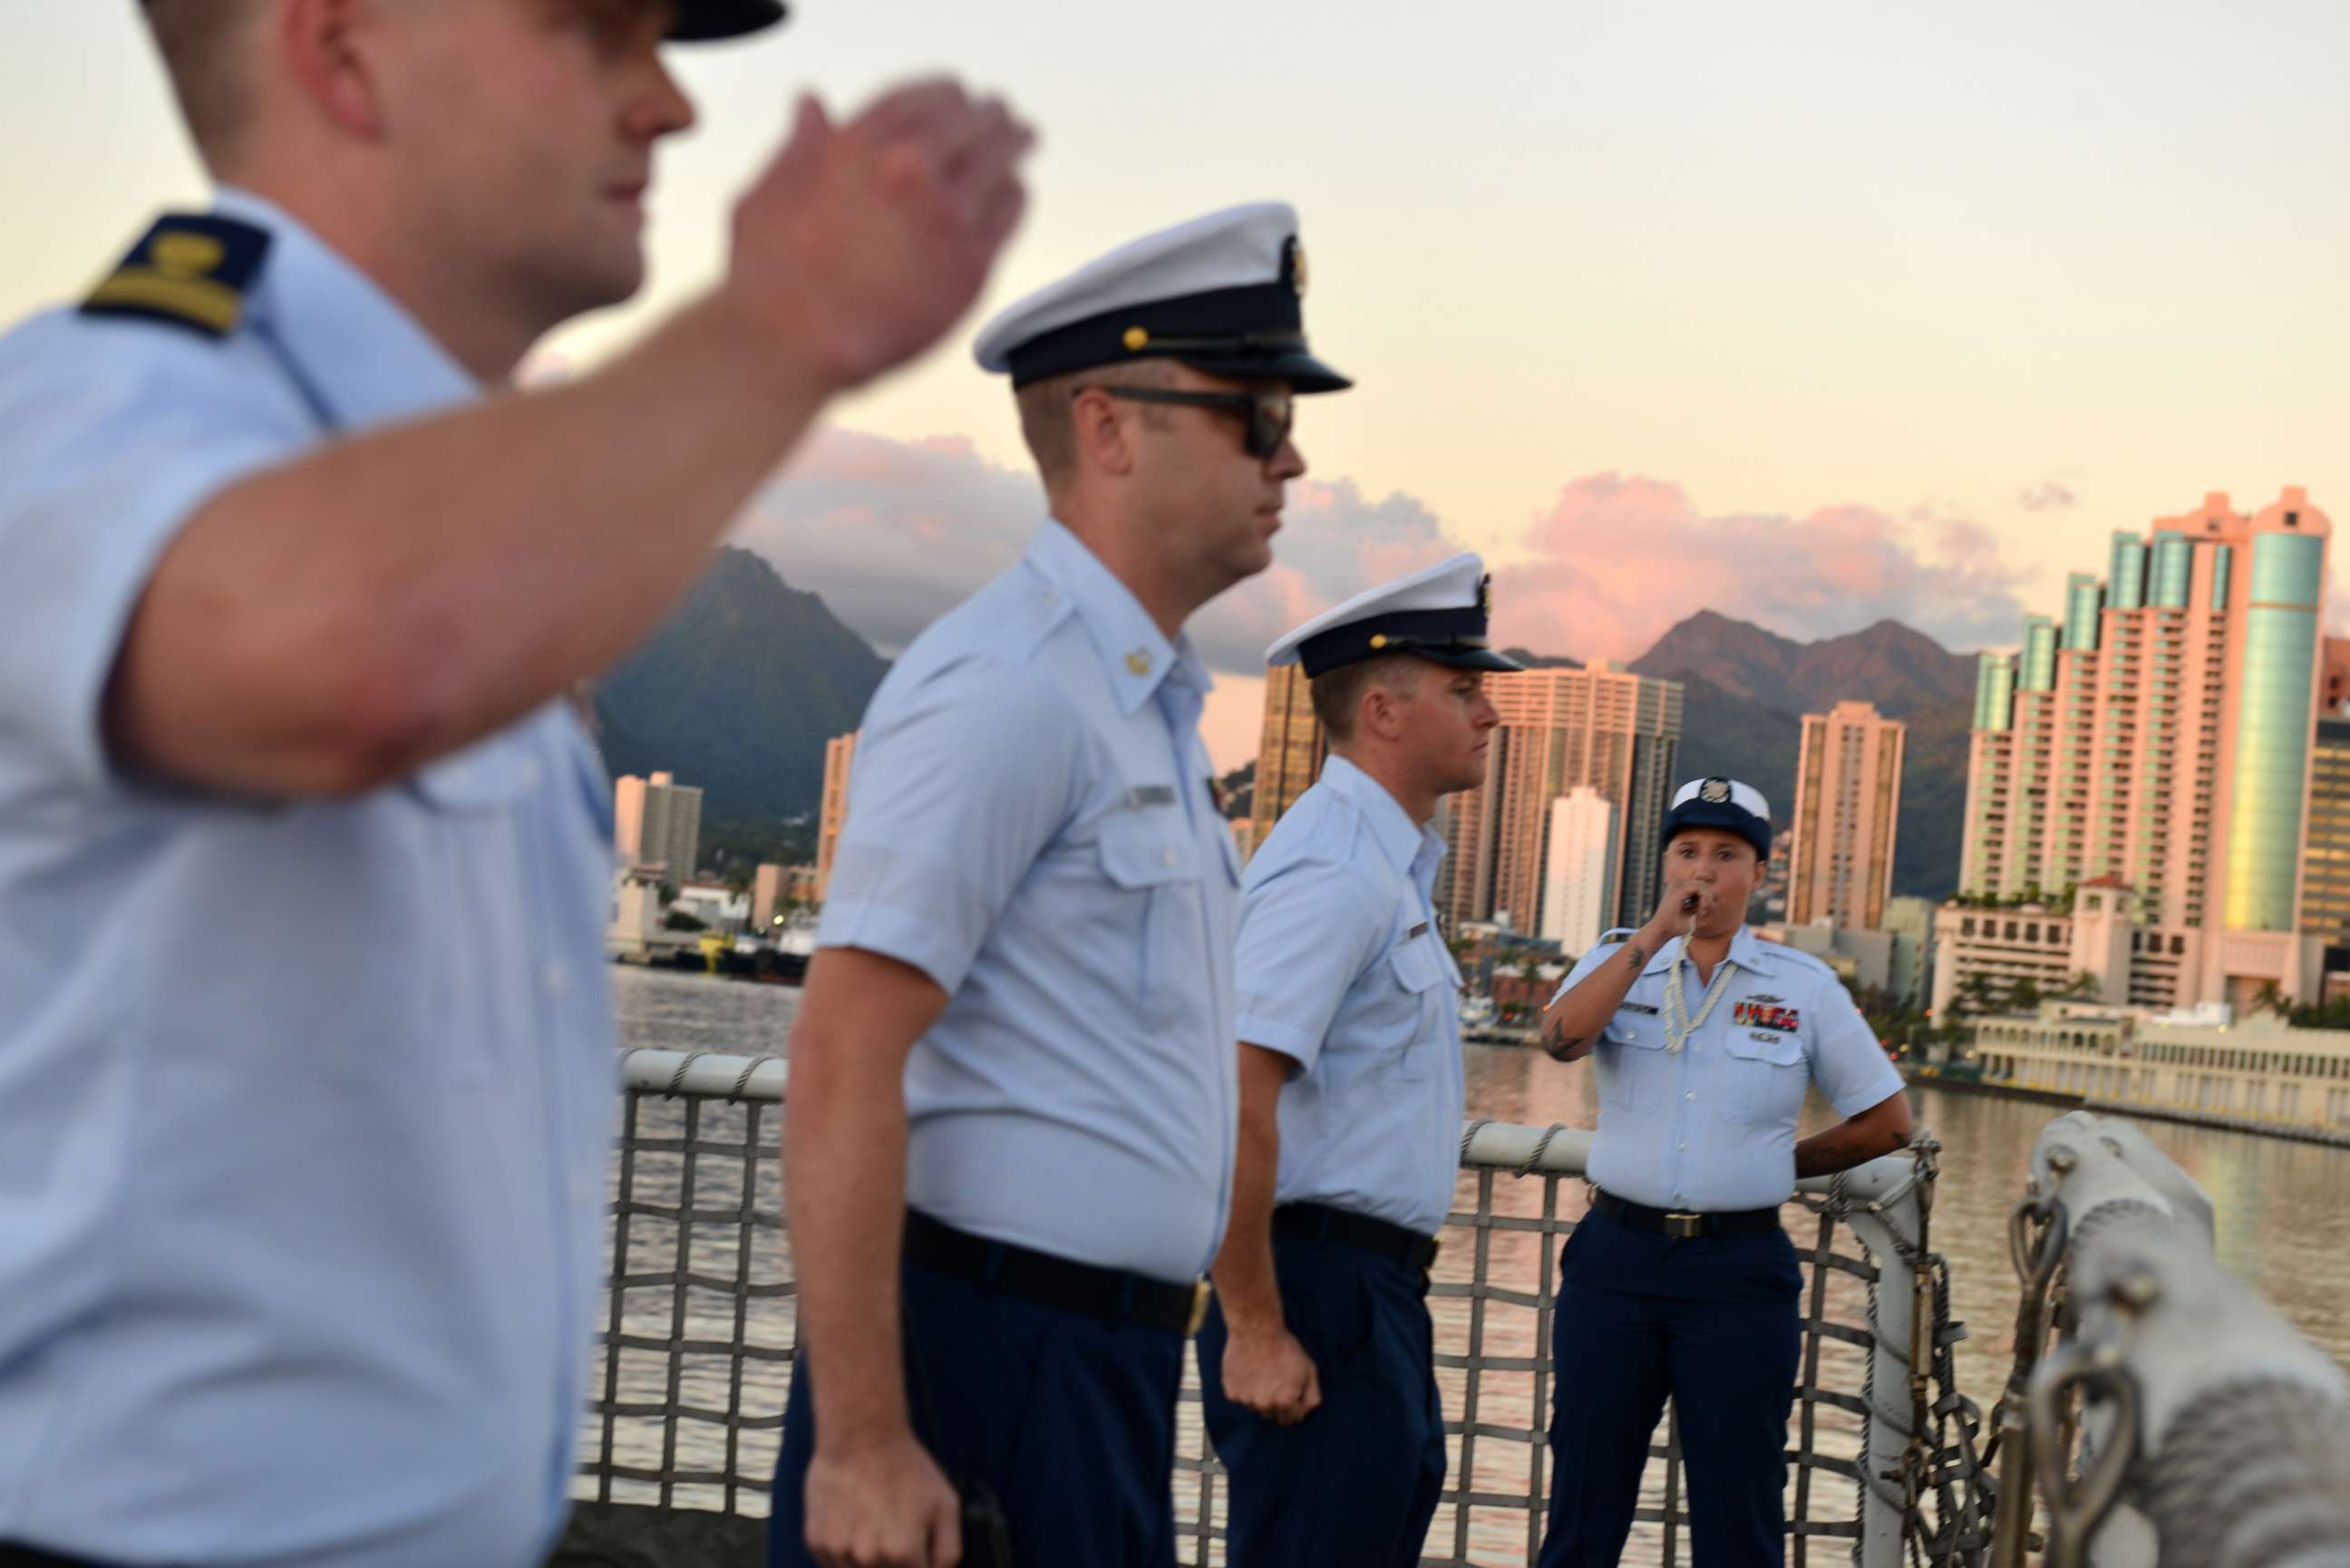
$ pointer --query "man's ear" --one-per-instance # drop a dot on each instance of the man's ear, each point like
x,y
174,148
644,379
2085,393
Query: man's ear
x,y
1105,434
323,43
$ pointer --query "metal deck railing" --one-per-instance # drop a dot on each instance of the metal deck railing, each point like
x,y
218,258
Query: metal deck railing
x,y
686,1407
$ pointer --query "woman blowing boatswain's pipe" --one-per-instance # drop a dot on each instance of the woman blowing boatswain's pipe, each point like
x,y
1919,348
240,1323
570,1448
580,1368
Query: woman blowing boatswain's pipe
x,y
1681,1280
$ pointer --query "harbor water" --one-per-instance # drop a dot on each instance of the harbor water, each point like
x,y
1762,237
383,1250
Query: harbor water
x,y
2279,1227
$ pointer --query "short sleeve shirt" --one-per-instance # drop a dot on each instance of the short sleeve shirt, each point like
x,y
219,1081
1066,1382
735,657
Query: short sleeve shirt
x,y
1712,1128
1343,970
1031,824
303,1104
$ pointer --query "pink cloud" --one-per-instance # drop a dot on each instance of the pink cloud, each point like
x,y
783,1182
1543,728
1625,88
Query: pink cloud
x,y
892,533
1618,560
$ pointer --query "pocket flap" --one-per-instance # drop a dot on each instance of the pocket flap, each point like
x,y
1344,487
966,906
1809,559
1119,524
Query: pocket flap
x,y
1645,1030
1416,964
1779,1050
1147,848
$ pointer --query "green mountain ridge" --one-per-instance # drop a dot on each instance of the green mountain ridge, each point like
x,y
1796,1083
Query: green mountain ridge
x,y
1744,692
738,691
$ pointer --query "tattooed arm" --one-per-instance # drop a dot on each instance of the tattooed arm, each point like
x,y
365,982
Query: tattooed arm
x,y
1571,1025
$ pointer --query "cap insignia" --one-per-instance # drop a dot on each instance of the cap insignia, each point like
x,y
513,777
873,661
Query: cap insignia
x,y
1485,596
1714,792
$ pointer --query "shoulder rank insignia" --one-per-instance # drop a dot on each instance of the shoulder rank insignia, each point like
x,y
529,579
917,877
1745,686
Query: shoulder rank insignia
x,y
189,272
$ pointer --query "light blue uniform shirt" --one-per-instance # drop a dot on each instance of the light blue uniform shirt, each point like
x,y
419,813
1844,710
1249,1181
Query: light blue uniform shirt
x,y
1712,1128
304,1105
1343,970
1030,825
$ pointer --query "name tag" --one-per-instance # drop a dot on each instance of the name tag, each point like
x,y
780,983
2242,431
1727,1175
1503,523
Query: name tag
x,y
1142,795
1637,1007
1416,931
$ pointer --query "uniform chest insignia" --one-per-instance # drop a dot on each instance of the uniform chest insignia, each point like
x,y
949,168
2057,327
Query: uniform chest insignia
x,y
191,273
1766,1012
1637,1007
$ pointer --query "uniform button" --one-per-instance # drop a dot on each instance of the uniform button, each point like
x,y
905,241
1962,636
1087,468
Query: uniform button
x,y
1684,1148
557,976
1690,1095
1172,858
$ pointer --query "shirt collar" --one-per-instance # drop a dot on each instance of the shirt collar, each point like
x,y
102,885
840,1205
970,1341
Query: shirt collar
x,y
1135,653
352,345
1750,952
1407,846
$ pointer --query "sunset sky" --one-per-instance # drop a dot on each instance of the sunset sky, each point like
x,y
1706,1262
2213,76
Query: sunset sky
x,y
1810,314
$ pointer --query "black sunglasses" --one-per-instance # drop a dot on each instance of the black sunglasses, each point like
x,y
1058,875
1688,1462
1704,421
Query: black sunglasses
x,y
1269,414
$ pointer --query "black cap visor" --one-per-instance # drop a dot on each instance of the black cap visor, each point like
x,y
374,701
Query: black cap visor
x,y
703,21
1725,815
1467,659
1302,370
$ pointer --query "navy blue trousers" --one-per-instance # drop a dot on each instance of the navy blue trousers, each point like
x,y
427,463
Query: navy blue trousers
x,y
1068,1419
1713,1322
1356,1481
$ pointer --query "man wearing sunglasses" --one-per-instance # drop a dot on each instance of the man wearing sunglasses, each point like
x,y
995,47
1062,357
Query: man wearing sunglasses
x,y
1010,1137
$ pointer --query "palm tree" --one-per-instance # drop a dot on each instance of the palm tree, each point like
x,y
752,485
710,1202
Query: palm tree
x,y
1973,994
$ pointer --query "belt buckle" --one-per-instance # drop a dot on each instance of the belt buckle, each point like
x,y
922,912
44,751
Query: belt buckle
x,y
1684,1227
1201,1294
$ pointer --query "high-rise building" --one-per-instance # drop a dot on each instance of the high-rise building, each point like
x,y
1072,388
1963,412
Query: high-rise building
x,y
1847,796
839,756
1289,749
657,822
1910,923
2161,736
1579,874
1605,727
2326,877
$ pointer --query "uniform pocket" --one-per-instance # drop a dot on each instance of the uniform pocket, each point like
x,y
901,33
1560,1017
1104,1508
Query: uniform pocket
x,y
1151,855
1419,972
1769,1074
1631,1063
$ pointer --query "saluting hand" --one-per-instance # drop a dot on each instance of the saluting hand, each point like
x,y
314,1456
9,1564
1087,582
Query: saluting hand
x,y
864,241
1267,1371
883,1506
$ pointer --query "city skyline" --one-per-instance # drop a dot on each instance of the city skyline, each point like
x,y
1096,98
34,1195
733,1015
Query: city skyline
x,y
2155,740
1808,318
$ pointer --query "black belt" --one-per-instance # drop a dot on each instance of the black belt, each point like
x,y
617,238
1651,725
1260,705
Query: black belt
x,y
1054,1282
1320,1222
1681,1224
